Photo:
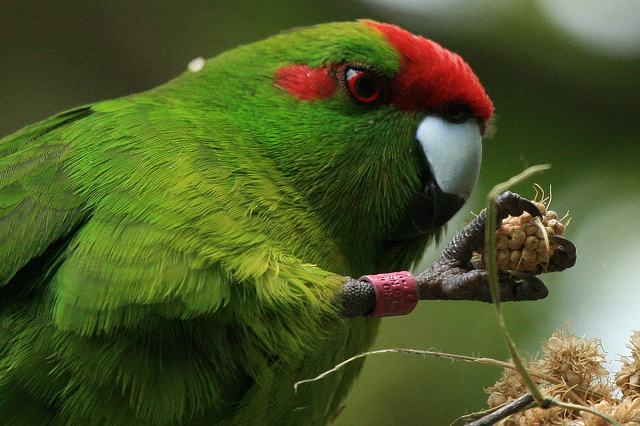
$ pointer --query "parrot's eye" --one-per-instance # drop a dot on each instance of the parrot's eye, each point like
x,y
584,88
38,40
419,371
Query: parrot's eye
x,y
365,86
457,112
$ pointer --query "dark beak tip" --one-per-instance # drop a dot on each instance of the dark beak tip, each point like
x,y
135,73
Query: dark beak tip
x,y
429,210
444,205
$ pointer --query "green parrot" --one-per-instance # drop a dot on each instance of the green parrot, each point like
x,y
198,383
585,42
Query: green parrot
x,y
184,255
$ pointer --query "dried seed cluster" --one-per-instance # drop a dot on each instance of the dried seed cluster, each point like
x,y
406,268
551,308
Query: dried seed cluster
x,y
628,378
626,412
573,369
523,243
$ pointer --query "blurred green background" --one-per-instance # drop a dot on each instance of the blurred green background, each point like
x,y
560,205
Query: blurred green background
x,y
565,79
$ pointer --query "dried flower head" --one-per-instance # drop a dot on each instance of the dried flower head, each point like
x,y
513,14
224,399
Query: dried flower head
x,y
577,361
553,416
578,367
509,386
627,412
628,378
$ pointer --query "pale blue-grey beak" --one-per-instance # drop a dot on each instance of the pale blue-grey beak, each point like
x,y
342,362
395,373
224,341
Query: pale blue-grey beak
x,y
453,152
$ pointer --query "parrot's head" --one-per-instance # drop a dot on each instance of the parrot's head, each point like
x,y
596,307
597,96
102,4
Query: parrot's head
x,y
378,129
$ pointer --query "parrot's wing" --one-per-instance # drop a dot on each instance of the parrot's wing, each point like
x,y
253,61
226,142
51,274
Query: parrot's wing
x,y
157,243
37,205
153,226
180,256
179,226
129,271
219,313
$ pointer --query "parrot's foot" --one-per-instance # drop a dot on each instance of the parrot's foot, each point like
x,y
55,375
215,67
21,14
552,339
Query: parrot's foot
x,y
455,276
446,281
471,237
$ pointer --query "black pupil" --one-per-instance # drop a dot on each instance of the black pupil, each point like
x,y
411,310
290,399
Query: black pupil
x,y
366,86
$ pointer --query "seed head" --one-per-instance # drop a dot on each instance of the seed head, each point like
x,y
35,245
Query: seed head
x,y
523,241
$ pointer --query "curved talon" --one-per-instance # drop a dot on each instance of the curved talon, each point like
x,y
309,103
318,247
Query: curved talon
x,y
529,207
521,289
516,289
510,203
567,245
533,289
564,257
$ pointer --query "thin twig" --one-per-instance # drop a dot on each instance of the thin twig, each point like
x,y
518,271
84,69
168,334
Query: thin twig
x,y
494,287
492,272
505,411
435,354
444,355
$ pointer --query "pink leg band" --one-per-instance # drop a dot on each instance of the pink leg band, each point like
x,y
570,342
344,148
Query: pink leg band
x,y
396,293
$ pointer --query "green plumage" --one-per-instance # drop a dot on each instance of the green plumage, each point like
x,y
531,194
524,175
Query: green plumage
x,y
177,256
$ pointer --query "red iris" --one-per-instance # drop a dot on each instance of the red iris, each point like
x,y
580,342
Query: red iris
x,y
364,86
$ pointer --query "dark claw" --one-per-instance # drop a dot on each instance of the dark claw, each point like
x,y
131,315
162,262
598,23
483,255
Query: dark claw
x,y
529,207
510,203
530,288
565,255
525,287
567,245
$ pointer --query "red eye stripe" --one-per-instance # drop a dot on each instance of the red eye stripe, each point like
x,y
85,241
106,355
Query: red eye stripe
x,y
306,83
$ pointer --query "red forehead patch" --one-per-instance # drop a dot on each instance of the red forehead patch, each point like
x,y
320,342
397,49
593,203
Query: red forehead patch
x,y
431,77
